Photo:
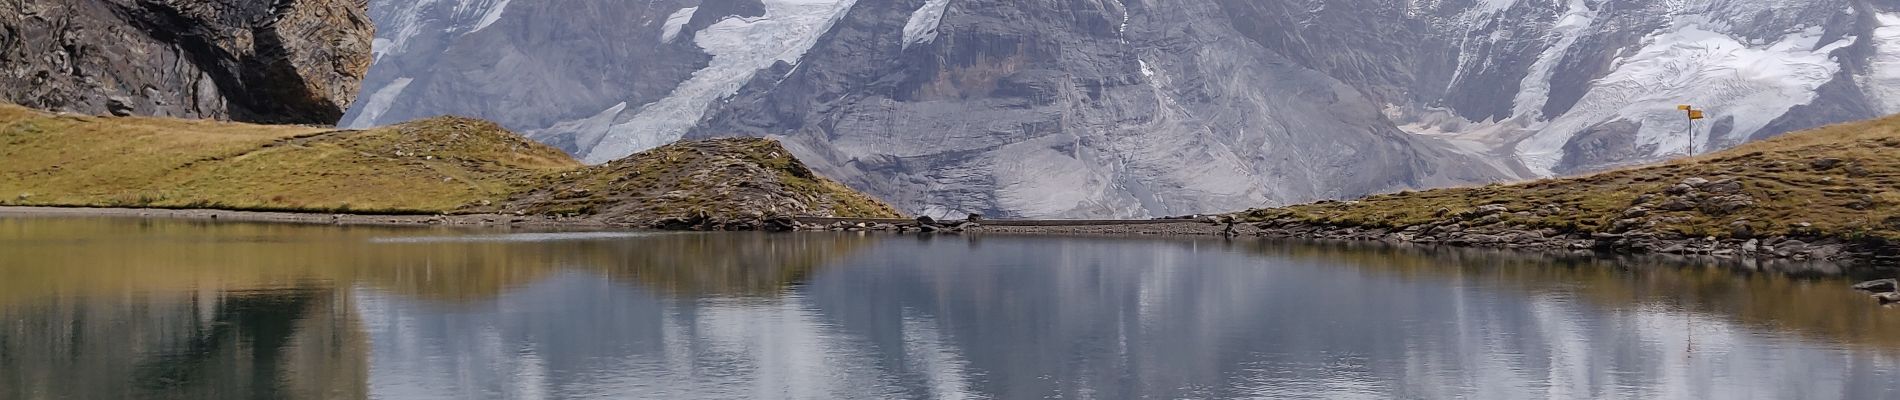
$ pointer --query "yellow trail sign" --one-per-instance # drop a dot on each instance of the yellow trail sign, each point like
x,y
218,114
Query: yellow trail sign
x,y
1695,115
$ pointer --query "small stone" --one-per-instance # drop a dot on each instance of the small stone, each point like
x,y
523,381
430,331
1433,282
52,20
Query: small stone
x,y
1725,186
1695,182
119,106
1676,205
1741,230
1823,164
1725,205
1887,297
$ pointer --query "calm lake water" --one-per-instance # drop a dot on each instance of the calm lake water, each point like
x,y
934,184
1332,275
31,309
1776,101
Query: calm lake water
x,y
117,308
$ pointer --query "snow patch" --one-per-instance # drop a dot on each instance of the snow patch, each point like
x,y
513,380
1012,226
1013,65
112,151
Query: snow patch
x,y
740,47
409,19
1882,80
1535,89
1122,31
1692,64
378,103
587,131
1491,6
676,22
380,47
922,27
490,14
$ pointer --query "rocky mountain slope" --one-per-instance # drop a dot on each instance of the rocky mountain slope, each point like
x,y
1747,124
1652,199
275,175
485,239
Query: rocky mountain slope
x,y
1121,108
444,165
288,61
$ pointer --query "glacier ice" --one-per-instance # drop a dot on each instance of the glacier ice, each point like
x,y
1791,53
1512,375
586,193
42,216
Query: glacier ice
x,y
1882,80
740,47
922,27
677,22
378,103
1750,85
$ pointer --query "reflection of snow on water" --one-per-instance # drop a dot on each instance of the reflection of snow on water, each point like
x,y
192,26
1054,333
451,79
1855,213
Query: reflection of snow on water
x,y
1049,317
516,237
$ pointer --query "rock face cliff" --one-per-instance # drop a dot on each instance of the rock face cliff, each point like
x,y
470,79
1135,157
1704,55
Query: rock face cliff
x,y
285,61
1130,108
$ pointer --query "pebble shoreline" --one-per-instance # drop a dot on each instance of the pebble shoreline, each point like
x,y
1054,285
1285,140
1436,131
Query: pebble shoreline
x,y
1448,233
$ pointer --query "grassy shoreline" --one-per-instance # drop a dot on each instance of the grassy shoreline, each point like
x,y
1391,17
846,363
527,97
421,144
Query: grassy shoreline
x,y
435,166
1826,193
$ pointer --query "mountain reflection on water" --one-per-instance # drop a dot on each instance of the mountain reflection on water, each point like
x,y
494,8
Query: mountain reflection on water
x,y
116,308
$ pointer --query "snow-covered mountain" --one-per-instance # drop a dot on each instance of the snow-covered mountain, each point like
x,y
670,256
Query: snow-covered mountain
x,y
1131,108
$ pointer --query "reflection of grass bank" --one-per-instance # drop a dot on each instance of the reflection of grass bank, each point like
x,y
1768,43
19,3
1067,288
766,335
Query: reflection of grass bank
x,y
286,343
109,257
1770,298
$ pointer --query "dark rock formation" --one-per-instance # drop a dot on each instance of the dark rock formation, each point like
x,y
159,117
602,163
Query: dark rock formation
x,y
286,61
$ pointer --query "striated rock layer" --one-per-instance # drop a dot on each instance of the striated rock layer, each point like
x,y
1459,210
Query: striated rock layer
x,y
287,61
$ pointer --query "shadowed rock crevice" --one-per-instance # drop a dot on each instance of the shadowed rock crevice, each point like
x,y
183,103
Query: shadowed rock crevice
x,y
298,61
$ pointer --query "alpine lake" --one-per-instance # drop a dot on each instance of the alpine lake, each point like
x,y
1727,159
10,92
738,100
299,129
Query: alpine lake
x,y
108,308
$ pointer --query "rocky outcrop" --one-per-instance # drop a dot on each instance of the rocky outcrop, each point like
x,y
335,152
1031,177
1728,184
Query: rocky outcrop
x,y
290,61
1063,109
720,184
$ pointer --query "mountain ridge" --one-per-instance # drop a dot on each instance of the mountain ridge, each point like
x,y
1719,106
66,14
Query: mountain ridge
x,y
1107,108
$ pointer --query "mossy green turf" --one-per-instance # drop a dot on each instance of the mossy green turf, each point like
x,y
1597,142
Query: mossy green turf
x,y
1855,199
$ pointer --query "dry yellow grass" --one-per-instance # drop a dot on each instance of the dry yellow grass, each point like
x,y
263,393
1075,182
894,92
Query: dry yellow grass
x,y
430,166
436,165
721,179
1840,181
